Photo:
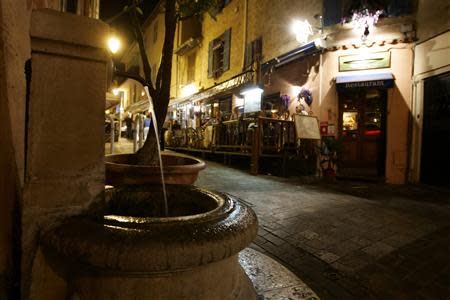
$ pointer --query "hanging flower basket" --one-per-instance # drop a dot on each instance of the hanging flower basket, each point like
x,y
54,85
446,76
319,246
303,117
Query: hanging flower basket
x,y
306,95
285,100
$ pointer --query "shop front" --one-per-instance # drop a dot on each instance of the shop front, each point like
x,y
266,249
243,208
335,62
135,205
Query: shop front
x,y
366,96
362,123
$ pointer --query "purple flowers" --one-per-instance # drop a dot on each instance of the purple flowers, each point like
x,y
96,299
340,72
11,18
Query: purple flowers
x,y
285,99
306,95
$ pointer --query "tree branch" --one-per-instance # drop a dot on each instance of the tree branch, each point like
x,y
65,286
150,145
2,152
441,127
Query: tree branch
x,y
131,76
140,39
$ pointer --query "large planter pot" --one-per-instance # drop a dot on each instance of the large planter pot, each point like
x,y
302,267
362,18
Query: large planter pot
x,y
125,250
120,169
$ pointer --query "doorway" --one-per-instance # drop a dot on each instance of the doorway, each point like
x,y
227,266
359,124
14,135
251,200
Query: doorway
x,y
435,159
362,126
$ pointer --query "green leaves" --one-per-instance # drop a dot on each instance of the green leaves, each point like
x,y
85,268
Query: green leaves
x,y
190,8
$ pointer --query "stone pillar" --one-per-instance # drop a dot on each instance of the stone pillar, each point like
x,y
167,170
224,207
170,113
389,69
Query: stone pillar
x,y
64,132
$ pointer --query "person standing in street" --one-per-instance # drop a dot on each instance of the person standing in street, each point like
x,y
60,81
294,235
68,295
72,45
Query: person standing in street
x,y
129,123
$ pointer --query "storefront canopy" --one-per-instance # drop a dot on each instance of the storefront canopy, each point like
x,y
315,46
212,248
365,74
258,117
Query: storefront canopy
x,y
225,86
377,80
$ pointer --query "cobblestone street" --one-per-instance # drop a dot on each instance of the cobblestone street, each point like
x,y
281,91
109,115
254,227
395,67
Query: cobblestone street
x,y
349,240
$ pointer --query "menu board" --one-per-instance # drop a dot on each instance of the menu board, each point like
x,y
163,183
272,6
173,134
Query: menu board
x,y
252,104
306,127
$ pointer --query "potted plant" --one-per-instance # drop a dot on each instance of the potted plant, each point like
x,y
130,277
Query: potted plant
x,y
159,89
329,153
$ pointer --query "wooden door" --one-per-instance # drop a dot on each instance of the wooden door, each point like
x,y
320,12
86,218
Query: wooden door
x,y
362,124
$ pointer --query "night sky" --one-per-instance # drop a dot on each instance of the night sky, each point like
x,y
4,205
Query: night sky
x,y
109,8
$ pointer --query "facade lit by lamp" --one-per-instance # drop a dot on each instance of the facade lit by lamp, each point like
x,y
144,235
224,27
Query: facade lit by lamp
x,y
189,90
302,30
113,44
295,90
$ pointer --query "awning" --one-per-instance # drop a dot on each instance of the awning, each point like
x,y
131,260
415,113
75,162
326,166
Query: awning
x,y
294,54
380,80
236,81
139,107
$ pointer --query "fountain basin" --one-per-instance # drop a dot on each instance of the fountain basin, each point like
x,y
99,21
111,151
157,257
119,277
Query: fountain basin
x,y
120,169
124,249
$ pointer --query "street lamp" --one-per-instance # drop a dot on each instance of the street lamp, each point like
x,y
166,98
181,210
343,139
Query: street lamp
x,y
302,30
113,44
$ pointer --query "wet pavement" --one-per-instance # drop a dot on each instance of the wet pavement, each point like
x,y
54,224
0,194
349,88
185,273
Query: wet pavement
x,y
344,240
271,280
348,240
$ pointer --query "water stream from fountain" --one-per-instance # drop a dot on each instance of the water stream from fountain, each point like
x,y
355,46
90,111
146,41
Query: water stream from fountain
x,y
155,126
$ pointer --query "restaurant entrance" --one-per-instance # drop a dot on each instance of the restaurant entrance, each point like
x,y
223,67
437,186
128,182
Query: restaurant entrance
x,y
362,126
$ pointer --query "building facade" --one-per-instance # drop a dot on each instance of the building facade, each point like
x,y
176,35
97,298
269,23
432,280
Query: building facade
x,y
357,80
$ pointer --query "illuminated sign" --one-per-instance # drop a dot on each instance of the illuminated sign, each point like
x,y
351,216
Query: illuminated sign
x,y
377,60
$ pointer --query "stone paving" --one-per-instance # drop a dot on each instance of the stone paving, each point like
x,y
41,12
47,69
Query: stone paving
x,y
349,240
271,280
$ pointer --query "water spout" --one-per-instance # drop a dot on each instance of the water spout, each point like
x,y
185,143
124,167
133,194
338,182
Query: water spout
x,y
155,126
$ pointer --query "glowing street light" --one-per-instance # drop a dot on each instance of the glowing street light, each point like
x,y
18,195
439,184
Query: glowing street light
x,y
189,90
113,44
115,91
302,30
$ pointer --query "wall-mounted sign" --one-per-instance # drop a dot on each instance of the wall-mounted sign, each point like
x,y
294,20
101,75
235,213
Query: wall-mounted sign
x,y
306,127
252,99
370,80
377,60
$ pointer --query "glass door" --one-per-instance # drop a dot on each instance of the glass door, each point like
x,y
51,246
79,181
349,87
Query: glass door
x,y
362,123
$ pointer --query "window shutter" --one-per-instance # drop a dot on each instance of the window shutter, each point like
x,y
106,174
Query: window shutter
x,y
210,59
248,55
331,12
257,48
226,49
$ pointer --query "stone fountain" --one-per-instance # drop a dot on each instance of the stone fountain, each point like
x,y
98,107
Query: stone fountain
x,y
123,249
119,247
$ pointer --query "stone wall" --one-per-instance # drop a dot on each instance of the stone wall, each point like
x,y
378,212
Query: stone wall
x,y
65,128
46,133
14,51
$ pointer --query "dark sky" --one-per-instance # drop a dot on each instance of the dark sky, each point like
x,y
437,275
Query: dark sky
x,y
109,8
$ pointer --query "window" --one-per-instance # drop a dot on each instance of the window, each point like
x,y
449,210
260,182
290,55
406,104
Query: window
x,y
332,12
219,55
69,6
335,10
225,106
191,68
253,52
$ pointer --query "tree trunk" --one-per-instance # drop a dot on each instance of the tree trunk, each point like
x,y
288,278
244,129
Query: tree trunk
x,y
148,154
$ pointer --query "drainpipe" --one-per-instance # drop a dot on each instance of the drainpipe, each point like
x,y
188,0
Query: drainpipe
x,y
244,39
